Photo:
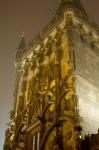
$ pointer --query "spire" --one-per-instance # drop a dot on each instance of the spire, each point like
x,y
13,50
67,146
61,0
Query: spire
x,y
21,48
73,4
22,44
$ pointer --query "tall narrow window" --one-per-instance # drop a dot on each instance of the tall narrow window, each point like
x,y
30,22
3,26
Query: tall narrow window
x,y
38,141
33,142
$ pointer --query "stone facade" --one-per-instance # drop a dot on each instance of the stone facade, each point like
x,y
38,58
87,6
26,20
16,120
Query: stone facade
x,y
56,84
90,142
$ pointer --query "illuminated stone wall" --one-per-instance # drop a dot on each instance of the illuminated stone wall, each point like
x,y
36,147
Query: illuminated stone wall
x,y
86,50
46,106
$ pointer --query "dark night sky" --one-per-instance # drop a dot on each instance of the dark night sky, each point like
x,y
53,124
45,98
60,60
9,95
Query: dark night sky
x,y
29,16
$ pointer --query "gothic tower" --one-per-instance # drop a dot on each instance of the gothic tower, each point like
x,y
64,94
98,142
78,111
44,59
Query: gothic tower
x,y
56,84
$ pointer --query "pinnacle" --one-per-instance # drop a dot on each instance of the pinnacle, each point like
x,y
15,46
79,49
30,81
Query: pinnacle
x,y
22,44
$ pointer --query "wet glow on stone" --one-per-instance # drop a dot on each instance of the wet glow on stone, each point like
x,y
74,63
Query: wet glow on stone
x,y
88,106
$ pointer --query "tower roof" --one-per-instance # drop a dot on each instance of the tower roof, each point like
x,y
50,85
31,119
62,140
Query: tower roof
x,y
73,4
